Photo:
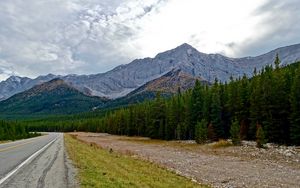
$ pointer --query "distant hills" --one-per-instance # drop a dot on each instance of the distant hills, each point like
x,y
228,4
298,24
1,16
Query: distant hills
x,y
53,97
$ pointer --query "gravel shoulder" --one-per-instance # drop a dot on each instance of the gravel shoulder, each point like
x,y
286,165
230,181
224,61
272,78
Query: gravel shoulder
x,y
234,166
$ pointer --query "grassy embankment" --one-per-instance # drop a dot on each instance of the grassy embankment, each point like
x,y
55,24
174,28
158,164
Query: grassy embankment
x,y
101,168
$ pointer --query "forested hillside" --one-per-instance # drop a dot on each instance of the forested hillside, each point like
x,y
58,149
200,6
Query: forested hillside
x,y
53,97
265,106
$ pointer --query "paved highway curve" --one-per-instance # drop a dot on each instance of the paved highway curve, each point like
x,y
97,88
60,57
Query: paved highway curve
x,y
36,162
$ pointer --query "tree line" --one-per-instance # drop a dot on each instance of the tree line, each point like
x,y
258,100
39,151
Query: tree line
x,y
14,131
265,107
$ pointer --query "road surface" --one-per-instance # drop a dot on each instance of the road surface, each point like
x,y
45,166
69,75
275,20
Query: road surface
x,y
36,162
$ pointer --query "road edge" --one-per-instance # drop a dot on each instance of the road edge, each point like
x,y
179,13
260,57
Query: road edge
x,y
7,176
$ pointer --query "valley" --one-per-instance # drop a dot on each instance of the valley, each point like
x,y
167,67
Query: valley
x,y
174,131
149,94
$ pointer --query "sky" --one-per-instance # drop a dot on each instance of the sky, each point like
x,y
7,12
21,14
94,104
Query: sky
x,y
38,37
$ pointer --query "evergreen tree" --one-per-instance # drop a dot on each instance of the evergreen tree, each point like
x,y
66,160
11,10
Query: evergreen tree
x,y
188,115
234,103
280,108
206,109
267,84
216,111
201,132
256,103
235,132
225,114
170,121
158,117
260,136
161,130
243,131
277,61
295,109
178,132
197,101
244,113
1,133
275,106
211,135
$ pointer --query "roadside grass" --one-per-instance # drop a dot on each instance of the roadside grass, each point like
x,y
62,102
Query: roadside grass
x,y
145,140
101,168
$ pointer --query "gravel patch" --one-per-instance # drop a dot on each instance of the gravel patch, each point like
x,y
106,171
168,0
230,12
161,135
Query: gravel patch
x,y
234,166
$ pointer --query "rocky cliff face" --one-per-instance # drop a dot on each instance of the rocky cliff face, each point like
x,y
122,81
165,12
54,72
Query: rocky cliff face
x,y
16,84
126,78
169,83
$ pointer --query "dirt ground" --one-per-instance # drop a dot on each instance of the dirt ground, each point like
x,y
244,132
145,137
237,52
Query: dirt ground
x,y
234,166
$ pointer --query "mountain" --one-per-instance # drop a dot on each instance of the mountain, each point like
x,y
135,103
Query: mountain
x,y
16,84
168,83
126,78
53,97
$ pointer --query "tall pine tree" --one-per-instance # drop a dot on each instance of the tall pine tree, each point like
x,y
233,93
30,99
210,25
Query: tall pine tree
x,y
216,110
295,109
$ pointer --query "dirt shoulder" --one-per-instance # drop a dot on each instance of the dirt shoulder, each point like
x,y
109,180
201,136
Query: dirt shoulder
x,y
243,166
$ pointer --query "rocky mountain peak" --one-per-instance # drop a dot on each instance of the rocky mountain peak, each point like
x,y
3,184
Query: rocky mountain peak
x,y
127,78
14,79
51,85
56,81
169,83
180,52
185,46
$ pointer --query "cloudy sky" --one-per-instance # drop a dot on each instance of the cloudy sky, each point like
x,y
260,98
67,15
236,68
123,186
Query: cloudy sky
x,y
92,36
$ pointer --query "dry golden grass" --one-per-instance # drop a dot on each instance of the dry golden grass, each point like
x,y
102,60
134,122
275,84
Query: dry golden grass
x,y
102,168
221,144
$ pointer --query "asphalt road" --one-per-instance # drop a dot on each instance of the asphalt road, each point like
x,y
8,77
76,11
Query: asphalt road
x,y
36,162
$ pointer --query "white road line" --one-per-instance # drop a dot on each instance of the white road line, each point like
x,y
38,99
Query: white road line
x,y
26,161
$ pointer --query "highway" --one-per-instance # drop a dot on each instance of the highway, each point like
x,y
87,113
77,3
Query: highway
x,y
36,162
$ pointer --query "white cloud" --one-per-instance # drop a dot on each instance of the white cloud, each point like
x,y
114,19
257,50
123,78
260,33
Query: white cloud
x,y
208,25
92,36
6,70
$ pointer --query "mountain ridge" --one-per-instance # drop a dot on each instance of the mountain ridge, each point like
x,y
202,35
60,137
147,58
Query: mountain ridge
x,y
169,83
124,79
